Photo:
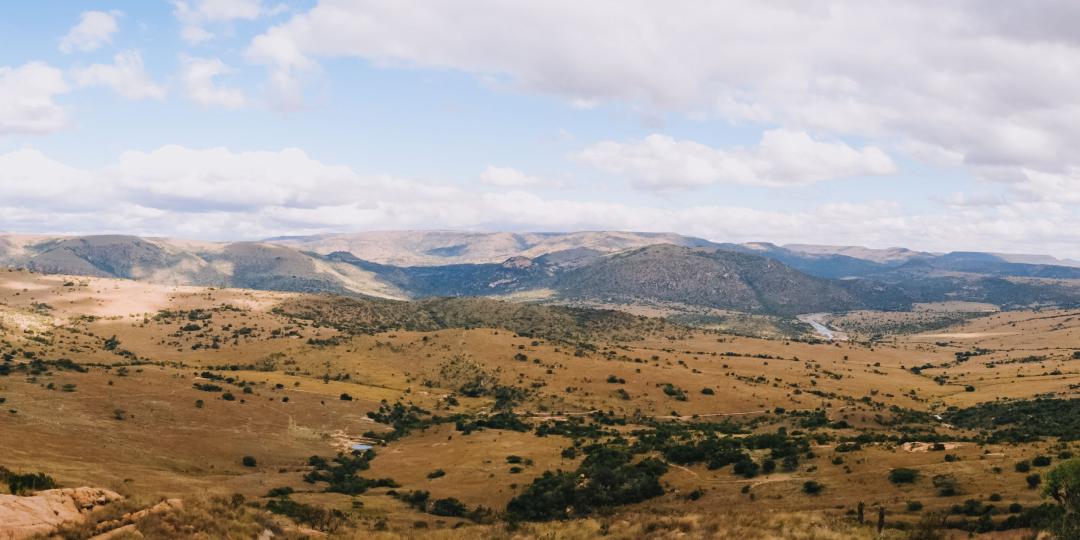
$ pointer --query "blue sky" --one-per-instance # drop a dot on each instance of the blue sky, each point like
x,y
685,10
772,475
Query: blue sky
x,y
736,121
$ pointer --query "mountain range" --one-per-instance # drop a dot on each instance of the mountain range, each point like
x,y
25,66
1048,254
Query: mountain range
x,y
609,268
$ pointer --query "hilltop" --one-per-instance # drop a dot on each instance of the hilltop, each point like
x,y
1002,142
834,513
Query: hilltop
x,y
666,272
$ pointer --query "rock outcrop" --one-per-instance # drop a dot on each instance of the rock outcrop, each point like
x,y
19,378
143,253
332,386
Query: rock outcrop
x,y
23,517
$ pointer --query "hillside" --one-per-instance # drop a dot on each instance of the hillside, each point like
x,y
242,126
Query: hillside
x,y
478,415
595,268
437,248
713,278
250,265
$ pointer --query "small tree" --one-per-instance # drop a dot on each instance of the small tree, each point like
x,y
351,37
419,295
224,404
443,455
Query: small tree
x,y
1033,480
1063,485
903,476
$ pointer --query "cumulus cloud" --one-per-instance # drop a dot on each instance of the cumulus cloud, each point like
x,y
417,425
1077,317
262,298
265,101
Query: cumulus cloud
x,y
95,28
216,192
26,98
511,177
180,178
782,158
954,80
194,15
126,76
198,76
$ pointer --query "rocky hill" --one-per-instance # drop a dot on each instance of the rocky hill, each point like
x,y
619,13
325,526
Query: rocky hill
x,y
595,267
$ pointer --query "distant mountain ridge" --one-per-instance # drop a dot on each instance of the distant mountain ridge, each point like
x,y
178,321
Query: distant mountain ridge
x,y
609,268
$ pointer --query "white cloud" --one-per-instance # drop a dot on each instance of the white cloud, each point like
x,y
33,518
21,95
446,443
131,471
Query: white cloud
x,y
26,98
511,177
198,76
126,76
782,158
989,84
194,15
211,193
31,179
179,178
95,28
195,34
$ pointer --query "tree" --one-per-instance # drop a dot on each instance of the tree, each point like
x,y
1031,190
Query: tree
x,y
1033,480
1063,485
21,484
903,476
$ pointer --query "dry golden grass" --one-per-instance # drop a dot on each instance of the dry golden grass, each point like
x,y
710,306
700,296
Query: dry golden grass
x,y
165,446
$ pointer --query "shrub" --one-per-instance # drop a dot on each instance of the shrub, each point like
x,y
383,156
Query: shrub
x,y
1041,461
111,344
811,487
20,484
914,506
1023,467
1033,480
903,476
345,397
437,473
449,506
248,461
314,516
708,391
612,480
945,484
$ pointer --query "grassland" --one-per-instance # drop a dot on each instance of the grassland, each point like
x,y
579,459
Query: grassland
x,y
161,392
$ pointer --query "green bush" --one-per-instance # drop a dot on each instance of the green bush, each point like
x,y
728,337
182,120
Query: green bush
x,y
449,507
20,484
606,478
1033,480
903,476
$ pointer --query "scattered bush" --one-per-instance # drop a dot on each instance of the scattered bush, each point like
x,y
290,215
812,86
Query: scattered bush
x,y
903,476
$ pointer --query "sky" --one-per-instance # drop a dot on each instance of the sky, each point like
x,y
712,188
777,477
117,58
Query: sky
x,y
937,126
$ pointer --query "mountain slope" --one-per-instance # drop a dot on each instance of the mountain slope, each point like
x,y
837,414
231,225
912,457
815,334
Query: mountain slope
x,y
241,264
567,267
438,248
705,277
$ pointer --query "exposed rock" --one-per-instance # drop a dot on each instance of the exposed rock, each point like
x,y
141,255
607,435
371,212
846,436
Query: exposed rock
x,y
517,262
23,517
107,527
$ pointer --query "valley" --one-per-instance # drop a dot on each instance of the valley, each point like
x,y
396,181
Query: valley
x,y
481,414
